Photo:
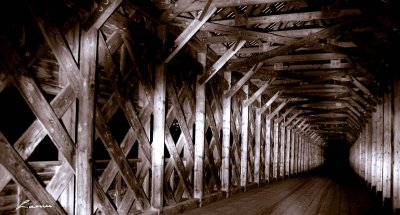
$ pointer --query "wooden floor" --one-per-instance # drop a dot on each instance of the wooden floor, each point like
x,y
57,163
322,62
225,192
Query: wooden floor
x,y
306,195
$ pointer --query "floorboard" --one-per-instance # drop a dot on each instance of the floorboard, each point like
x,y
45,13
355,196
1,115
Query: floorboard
x,y
308,195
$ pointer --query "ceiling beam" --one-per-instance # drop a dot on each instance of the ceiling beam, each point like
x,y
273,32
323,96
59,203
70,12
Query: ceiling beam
x,y
297,44
292,17
198,5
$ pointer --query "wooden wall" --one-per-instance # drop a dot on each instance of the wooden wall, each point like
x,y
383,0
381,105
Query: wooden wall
x,y
375,155
191,143
134,134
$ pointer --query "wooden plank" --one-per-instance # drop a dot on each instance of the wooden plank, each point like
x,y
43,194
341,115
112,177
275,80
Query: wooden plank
x,y
259,92
243,80
244,141
292,17
57,44
226,133
242,33
396,145
22,175
187,135
27,142
157,182
179,113
122,164
100,15
221,62
275,149
38,104
257,149
287,152
282,152
175,9
198,5
85,134
296,44
374,154
269,102
190,31
101,200
298,33
199,134
267,148
276,110
387,146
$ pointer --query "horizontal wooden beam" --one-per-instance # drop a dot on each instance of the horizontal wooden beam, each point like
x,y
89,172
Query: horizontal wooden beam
x,y
198,5
296,44
292,17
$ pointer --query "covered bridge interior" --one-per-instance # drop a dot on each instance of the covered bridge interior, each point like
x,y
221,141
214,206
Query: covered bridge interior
x,y
159,106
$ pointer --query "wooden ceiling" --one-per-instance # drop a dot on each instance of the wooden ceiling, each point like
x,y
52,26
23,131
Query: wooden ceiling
x,y
321,64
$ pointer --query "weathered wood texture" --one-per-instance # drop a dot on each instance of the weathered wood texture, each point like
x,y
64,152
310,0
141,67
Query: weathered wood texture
x,y
373,155
300,195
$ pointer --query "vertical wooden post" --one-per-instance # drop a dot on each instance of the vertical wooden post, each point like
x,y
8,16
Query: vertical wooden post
x,y
396,146
287,152
379,151
387,148
226,139
373,151
199,133
147,128
67,198
21,198
84,167
157,146
282,151
368,163
267,148
291,160
244,139
257,149
276,151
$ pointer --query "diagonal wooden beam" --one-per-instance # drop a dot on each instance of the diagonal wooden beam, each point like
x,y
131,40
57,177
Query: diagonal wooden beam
x,y
190,31
259,92
221,62
242,81
288,111
279,108
296,44
22,175
175,9
118,157
292,118
269,102
364,89
57,44
38,104
28,141
101,14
